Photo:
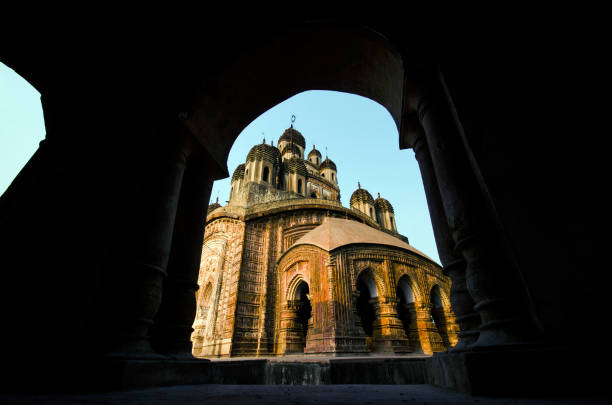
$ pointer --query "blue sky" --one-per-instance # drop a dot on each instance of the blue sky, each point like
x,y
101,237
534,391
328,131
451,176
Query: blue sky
x,y
359,134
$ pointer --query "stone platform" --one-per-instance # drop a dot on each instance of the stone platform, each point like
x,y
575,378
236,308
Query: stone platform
x,y
519,372
302,370
289,370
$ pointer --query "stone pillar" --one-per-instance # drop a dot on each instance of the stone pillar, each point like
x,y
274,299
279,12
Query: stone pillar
x,y
453,264
492,279
392,336
378,341
173,324
291,338
452,327
151,252
409,310
430,338
442,325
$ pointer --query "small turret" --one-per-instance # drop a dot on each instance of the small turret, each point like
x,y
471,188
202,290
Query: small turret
x,y
314,156
295,175
213,206
263,164
237,182
292,136
384,214
361,200
328,170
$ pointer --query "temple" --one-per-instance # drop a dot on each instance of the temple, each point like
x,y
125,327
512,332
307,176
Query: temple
x,y
286,269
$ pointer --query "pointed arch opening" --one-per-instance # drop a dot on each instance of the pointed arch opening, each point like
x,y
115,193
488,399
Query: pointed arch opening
x,y
368,296
438,315
406,311
304,312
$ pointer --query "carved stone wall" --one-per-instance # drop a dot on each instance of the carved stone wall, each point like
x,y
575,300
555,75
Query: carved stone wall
x,y
218,280
249,272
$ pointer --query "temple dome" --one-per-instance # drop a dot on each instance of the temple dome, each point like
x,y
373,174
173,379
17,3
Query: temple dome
x,y
361,195
292,135
239,172
291,148
383,204
327,164
265,152
337,232
213,206
314,152
295,165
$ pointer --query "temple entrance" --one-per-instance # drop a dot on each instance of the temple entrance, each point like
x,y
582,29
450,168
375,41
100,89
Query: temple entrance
x,y
365,306
407,313
304,312
438,316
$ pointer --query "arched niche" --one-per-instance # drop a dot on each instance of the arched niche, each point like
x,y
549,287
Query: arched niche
x,y
304,312
367,297
406,311
439,315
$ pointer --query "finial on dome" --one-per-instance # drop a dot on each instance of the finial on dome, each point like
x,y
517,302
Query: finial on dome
x,y
292,120
313,146
358,185
264,140
378,195
272,142
217,202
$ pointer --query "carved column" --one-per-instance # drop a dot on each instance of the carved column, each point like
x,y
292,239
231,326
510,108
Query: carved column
x,y
291,337
173,325
392,336
378,341
409,311
453,264
430,338
442,325
492,279
156,219
452,329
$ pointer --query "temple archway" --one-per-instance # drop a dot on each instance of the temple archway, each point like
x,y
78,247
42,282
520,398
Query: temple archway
x,y
366,310
438,315
406,311
304,311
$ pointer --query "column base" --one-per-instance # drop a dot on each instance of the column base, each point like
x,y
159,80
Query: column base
x,y
516,372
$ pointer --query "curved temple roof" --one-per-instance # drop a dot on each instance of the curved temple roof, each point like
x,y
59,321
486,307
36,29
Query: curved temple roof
x,y
337,232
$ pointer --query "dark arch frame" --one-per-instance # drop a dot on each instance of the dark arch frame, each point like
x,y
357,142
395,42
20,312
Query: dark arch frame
x,y
212,157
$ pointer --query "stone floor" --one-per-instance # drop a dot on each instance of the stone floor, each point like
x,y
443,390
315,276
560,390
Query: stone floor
x,y
287,395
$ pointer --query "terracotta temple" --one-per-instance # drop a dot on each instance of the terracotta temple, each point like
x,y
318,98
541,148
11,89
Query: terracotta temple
x,y
286,269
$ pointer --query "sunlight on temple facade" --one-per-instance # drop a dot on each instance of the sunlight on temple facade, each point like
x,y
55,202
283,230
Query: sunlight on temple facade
x,y
287,269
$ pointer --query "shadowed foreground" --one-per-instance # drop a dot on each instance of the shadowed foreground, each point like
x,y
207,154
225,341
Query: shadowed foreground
x,y
275,394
